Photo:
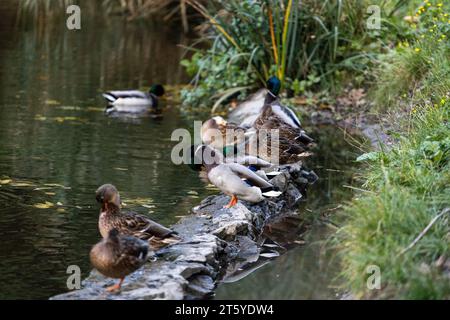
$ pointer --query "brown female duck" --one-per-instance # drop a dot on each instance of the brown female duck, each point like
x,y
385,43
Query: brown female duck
x,y
117,256
129,223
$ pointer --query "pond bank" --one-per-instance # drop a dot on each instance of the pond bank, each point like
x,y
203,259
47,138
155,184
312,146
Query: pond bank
x,y
213,237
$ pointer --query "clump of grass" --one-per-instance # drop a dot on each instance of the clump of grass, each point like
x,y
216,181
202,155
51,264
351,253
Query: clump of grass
x,y
406,187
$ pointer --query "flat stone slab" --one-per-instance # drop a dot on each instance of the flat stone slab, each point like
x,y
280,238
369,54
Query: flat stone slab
x,y
213,239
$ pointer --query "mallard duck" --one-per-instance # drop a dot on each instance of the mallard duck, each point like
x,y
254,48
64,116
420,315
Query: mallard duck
x,y
219,133
133,101
293,140
117,256
228,176
246,112
129,223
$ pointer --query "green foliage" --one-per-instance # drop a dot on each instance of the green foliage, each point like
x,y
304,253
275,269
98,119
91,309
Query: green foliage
x,y
419,64
408,186
307,44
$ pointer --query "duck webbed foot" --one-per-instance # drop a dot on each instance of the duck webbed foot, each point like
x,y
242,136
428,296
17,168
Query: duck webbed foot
x,y
232,203
115,287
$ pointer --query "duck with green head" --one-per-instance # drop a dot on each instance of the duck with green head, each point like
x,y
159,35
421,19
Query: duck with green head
x,y
133,101
274,116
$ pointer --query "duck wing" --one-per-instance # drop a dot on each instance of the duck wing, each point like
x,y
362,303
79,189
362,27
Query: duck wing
x,y
286,114
244,172
112,96
249,161
144,228
132,246
133,253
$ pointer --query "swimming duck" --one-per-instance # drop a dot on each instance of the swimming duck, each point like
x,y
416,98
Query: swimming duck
x,y
133,101
117,256
228,176
129,223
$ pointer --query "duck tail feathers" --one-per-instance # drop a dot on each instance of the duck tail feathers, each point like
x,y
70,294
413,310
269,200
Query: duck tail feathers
x,y
108,96
304,138
272,194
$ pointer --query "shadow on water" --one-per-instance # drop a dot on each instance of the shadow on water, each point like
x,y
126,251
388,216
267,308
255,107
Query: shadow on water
x,y
57,147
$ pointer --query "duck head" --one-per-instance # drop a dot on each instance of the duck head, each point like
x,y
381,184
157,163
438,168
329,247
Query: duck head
x,y
213,123
210,130
274,85
108,196
203,156
157,90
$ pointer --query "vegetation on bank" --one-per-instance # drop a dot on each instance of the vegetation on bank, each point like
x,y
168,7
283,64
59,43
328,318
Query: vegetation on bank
x,y
401,222
309,44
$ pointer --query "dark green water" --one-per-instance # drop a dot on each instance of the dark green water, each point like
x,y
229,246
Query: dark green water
x,y
57,147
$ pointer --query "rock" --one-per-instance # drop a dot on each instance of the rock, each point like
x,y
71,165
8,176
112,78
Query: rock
x,y
216,243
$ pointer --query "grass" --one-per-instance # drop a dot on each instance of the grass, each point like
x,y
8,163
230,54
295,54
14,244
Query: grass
x,y
409,185
418,67
406,187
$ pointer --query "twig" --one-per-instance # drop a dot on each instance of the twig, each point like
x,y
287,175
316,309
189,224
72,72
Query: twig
x,y
358,189
446,210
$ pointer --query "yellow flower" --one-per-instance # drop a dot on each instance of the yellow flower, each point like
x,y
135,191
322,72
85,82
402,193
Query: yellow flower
x,y
439,4
417,49
443,101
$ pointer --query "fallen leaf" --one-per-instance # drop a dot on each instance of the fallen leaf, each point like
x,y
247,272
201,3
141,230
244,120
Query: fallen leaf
x,y
45,205
51,102
21,184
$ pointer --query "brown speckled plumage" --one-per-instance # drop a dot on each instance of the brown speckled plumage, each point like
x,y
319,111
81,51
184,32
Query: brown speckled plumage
x,y
293,142
117,256
129,223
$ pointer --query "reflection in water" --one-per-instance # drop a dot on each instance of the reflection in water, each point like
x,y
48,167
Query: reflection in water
x,y
53,133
